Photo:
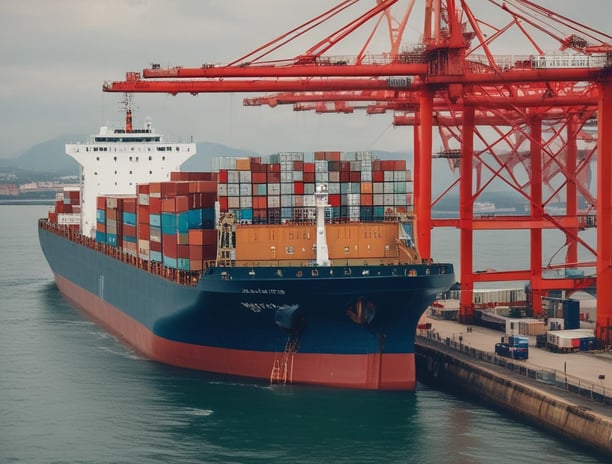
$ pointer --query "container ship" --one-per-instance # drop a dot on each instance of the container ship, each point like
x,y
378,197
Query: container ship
x,y
280,268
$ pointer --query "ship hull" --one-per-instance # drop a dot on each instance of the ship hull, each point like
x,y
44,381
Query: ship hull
x,y
348,327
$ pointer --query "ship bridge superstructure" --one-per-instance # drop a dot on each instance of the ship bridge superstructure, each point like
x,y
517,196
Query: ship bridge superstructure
x,y
115,161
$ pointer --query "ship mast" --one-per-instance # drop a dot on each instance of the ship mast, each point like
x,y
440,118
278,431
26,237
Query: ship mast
x,y
321,203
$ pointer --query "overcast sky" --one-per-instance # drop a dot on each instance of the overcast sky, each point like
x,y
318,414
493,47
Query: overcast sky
x,y
55,56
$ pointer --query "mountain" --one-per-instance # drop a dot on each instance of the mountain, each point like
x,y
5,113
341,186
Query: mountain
x,y
50,158
47,157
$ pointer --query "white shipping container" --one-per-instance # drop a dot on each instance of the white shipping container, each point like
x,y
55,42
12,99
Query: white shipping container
x,y
233,190
334,176
233,177
286,201
155,235
222,190
68,218
233,202
286,176
321,165
321,177
245,177
143,198
143,248
399,176
246,202
273,201
246,190
286,188
353,199
274,189
378,187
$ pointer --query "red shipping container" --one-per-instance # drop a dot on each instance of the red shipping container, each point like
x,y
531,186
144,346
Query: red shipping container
x,y
144,231
298,165
111,214
378,176
355,176
203,186
366,199
129,230
101,202
144,189
334,200
155,246
183,251
155,189
182,188
223,176
223,203
275,167
182,203
169,246
195,200
259,178
208,200
52,217
345,176
168,189
196,237
100,226
155,205
298,188
176,176
129,205
309,177
168,205
260,202
143,214
196,252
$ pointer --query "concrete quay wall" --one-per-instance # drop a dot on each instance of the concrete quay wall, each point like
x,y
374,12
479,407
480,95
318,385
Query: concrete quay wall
x,y
536,404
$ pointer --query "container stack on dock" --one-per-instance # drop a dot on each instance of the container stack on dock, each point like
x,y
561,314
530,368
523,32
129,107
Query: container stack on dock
x,y
280,188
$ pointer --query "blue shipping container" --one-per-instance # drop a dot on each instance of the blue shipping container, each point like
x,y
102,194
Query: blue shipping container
x,y
101,216
155,220
129,218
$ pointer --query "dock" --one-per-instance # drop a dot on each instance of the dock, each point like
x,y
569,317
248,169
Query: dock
x,y
568,394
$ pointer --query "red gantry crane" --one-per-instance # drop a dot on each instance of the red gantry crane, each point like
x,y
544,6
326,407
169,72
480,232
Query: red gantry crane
x,y
517,119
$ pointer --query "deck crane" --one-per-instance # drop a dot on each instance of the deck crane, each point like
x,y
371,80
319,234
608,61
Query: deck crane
x,y
455,62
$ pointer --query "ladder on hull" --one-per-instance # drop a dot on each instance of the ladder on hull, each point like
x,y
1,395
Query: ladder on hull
x,y
282,371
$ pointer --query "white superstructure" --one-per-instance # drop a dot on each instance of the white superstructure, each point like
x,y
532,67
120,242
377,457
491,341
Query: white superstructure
x,y
115,161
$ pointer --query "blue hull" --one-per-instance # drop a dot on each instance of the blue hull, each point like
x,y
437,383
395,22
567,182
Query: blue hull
x,y
329,311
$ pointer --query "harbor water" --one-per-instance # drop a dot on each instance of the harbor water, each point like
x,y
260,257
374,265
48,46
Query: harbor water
x,y
70,393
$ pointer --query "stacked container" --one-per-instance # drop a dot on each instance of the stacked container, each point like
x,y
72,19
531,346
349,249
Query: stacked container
x,y
67,209
281,188
172,222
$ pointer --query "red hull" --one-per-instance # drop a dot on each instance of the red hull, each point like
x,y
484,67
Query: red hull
x,y
371,371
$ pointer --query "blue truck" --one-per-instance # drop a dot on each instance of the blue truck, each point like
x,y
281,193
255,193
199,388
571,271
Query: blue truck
x,y
513,346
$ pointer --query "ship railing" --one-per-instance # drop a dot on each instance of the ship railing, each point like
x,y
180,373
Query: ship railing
x,y
585,388
182,277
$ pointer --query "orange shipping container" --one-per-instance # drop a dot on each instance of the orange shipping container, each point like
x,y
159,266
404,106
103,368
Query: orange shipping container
x,y
168,205
243,164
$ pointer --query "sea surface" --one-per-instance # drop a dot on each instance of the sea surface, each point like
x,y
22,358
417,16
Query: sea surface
x,y
70,393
